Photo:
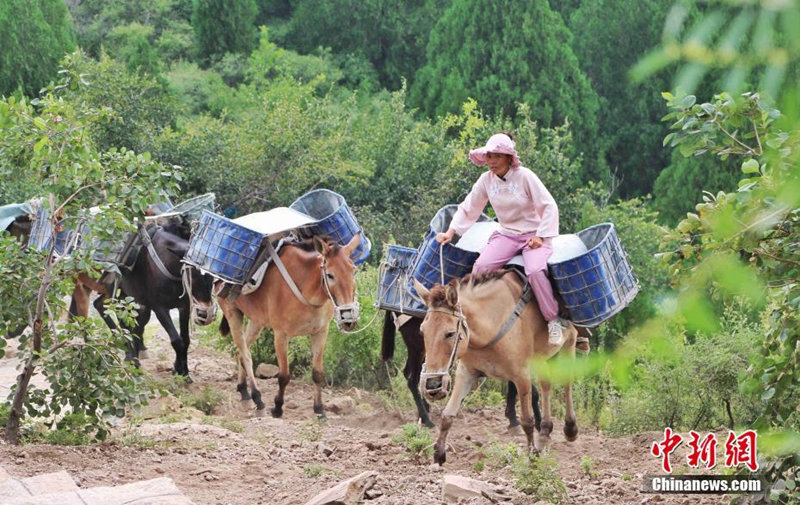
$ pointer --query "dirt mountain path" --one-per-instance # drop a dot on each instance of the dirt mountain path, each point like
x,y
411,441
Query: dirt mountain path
x,y
235,457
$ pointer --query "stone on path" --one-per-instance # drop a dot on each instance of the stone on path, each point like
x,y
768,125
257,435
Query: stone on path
x,y
455,487
266,371
49,483
346,492
161,491
60,489
341,405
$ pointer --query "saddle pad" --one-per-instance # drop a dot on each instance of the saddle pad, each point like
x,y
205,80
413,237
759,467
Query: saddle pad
x,y
275,221
565,246
255,282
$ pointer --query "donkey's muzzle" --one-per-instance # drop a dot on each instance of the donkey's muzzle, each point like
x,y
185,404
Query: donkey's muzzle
x,y
436,386
347,316
205,315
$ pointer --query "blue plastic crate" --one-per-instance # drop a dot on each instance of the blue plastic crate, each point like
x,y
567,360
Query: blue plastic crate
x,y
223,248
599,283
393,283
429,268
454,262
334,219
41,237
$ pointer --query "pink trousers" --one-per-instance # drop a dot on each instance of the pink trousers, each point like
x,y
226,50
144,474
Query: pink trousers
x,y
501,248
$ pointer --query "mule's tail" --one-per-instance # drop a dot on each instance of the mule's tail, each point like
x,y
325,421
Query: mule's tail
x,y
224,327
387,342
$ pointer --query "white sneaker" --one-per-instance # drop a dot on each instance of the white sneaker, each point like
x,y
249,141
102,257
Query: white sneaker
x,y
555,332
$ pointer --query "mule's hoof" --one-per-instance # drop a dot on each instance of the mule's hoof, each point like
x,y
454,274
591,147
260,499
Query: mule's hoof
x,y
428,423
276,412
262,412
439,457
546,428
571,431
543,445
514,429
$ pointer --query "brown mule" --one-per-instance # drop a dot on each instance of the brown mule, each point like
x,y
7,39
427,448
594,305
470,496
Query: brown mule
x,y
325,277
462,323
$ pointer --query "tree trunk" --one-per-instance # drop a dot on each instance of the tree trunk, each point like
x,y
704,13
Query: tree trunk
x,y
24,379
728,410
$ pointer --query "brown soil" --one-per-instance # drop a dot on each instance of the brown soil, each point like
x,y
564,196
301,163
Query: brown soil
x,y
237,457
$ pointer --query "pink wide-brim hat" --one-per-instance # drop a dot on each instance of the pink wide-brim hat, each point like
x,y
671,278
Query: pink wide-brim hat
x,y
497,143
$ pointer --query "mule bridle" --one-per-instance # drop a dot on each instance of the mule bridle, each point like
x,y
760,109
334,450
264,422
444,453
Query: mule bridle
x,y
525,297
465,335
345,313
185,277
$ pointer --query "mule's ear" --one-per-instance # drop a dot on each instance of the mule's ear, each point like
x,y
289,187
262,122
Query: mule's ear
x,y
451,293
321,246
351,246
424,293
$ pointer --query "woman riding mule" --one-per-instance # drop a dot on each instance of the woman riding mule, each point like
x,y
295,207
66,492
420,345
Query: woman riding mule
x,y
301,290
528,217
487,323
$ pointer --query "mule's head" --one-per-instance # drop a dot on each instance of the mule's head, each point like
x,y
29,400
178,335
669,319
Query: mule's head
x,y
196,284
339,279
21,228
204,310
442,329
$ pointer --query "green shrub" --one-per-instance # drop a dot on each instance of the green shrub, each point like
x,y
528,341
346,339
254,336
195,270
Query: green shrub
x,y
417,441
314,471
206,401
311,430
73,429
224,422
538,476
587,467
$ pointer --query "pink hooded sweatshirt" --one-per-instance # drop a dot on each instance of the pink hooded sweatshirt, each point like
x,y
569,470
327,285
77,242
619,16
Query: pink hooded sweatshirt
x,y
522,204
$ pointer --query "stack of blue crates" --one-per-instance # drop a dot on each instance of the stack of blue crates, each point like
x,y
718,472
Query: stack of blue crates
x,y
223,248
599,283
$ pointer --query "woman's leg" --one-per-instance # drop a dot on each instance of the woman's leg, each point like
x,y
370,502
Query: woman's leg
x,y
498,251
536,272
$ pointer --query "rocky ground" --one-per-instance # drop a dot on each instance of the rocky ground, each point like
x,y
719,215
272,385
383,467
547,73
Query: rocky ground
x,y
236,457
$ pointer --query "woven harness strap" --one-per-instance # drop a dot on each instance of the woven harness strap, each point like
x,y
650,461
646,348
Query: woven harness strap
x,y
462,323
525,297
285,274
148,242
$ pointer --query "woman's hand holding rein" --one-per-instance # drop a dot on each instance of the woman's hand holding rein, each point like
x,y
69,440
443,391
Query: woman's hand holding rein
x,y
446,237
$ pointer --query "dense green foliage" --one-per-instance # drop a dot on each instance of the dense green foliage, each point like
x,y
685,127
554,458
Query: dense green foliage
x,y
224,26
34,36
680,185
743,243
391,36
504,53
630,112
